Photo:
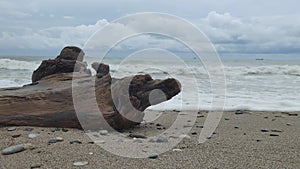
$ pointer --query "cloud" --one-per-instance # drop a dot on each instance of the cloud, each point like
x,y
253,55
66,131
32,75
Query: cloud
x,y
230,34
68,17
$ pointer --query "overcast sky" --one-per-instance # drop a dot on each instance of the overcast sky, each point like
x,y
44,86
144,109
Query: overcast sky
x,y
250,26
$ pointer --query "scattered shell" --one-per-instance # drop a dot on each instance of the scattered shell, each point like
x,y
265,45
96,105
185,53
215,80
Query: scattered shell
x,y
80,163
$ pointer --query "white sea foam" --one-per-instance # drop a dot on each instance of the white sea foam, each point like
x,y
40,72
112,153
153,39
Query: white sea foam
x,y
267,86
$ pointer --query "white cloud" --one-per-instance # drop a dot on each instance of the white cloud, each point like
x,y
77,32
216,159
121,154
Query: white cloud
x,y
68,17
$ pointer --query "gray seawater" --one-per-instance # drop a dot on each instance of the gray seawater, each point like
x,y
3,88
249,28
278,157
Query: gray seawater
x,y
268,85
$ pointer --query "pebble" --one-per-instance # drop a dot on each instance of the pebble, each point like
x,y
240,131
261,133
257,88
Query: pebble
x,y
54,130
103,132
135,135
15,149
194,133
185,136
11,129
75,142
239,112
236,127
153,156
64,130
28,129
264,130
292,114
57,139
176,150
274,135
226,118
276,131
162,140
36,166
80,163
200,116
137,140
199,126
289,124
16,135
33,135
158,124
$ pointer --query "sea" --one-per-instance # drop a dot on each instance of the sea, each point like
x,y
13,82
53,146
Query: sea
x,y
256,84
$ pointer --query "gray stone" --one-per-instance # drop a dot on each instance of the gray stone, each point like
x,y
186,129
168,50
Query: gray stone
x,y
264,130
274,135
153,156
15,149
33,135
80,163
11,129
103,132
135,135
162,140
75,142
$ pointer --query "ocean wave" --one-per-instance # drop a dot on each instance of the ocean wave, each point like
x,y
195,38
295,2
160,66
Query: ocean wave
x,y
11,64
264,70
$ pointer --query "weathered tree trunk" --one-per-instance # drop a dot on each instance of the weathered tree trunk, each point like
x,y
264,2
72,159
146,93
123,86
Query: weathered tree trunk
x,y
48,101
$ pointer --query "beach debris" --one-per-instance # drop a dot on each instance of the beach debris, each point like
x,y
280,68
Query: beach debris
x,y
80,163
153,155
103,132
16,149
274,135
33,135
11,129
75,142
264,130
162,140
136,135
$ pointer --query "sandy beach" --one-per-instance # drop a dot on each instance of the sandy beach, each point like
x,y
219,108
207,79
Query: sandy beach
x,y
246,140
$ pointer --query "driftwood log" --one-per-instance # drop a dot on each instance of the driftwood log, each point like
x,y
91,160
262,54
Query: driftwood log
x,y
48,100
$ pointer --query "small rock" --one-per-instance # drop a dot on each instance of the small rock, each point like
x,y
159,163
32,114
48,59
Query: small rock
x,y
200,116
36,166
264,130
80,163
16,135
15,149
54,130
176,150
75,142
199,126
59,139
137,140
258,140
153,156
276,131
194,133
33,135
289,124
103,132
91,153
239,112
185,136
226,118
274,135
52,141
292,114
159,128
135,135
158,124
161,140
28,129
236,127
11,129
64,130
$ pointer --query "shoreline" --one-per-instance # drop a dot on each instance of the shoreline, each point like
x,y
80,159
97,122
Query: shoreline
x,y
238,142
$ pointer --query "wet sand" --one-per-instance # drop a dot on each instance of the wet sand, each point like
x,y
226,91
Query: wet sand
x,y
238,142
